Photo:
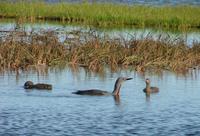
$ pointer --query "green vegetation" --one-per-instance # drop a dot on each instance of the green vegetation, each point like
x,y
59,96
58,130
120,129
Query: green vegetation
x,y
19,50
178,17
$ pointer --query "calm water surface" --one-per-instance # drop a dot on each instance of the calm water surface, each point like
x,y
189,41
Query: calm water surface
x,y
173,111
127,33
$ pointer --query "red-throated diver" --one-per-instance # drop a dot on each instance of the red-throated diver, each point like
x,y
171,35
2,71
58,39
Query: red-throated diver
x,y
115,92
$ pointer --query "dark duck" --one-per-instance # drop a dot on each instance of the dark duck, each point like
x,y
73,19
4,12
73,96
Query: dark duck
x,y
40,86
115,92
149,89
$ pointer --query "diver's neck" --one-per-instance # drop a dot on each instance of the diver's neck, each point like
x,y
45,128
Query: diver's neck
x,y
116,90
148,88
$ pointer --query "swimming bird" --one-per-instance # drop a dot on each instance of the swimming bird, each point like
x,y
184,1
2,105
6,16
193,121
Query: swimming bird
x,y
31,85
150,89
115,92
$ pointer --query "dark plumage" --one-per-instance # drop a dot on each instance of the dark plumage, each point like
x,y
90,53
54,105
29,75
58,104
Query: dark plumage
x,y
91,92
31,85
150,89
28,85
115,92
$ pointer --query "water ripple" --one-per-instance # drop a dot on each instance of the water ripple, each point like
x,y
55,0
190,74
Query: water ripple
x,y
173,111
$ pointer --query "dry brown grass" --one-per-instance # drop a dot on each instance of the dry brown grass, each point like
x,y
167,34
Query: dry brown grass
x,y
22,49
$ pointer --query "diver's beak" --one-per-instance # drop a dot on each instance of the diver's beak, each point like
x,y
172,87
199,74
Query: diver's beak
x,y
129,78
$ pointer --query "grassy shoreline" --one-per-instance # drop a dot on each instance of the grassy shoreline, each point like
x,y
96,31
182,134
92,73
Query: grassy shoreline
x,y
19,50
178,17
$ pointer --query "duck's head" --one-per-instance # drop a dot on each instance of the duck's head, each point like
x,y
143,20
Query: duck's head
x,y
147,81
118,83
28,85
122,79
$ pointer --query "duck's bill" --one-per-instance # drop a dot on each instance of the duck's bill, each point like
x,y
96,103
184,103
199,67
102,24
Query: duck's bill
x,y
129,78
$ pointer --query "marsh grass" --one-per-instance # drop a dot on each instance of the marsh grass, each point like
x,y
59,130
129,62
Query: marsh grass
x,y
177,17
20,50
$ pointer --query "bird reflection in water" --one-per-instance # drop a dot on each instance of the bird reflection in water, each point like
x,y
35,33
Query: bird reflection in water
x,y
147,97
117,99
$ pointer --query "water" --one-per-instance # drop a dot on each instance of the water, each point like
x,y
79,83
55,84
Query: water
x,y
173,111
127,33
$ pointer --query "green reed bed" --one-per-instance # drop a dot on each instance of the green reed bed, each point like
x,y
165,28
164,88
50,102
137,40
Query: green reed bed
x,y
106,14
19,50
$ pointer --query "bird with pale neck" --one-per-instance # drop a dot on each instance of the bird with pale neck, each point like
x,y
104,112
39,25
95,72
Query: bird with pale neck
x,y
149,89
115,92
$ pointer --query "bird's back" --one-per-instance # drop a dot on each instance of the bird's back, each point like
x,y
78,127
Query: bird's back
x,y
43,86
91,92
152,90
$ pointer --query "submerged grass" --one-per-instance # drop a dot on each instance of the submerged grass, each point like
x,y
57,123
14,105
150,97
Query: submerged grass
x,y
19,50
180,17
